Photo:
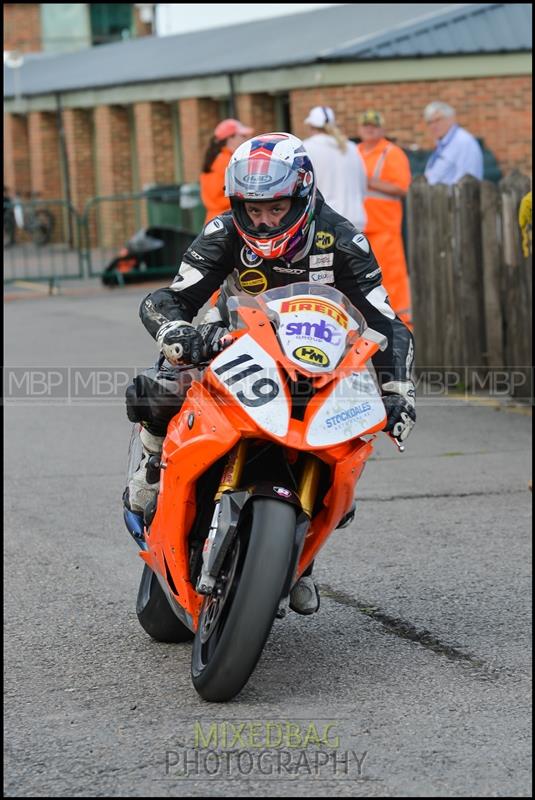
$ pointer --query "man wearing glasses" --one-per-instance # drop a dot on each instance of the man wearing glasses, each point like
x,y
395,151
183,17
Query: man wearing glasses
x,y
456,153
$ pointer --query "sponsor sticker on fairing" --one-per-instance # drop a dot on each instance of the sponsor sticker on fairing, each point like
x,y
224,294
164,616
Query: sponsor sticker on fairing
x,y
312,331
352,409
316,305
311,355
320,330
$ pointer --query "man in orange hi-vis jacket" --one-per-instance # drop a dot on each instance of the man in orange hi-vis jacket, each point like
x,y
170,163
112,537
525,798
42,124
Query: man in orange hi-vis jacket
x,y
389,177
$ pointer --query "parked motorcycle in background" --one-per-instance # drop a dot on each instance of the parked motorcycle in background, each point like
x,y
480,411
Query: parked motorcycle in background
x,y
27,216
150,253
258,468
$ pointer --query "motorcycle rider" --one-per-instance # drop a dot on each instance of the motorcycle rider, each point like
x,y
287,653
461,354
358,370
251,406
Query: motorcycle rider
x,y
279,231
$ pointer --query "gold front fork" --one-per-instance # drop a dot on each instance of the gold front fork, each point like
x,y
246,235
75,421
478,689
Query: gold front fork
x,y
230,480
308,485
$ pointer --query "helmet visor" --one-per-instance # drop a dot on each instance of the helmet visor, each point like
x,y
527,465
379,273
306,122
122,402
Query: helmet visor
x,y
263,179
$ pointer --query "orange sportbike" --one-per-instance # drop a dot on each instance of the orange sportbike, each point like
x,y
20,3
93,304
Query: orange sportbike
x,y
258,468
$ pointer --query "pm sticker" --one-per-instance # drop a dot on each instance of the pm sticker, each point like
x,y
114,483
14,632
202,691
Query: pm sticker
x,y
324,239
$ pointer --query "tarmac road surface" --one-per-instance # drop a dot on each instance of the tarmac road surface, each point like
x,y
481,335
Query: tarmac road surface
x,y
412,680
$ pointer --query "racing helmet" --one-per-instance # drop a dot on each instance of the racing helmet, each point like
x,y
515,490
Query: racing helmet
x,y
270,167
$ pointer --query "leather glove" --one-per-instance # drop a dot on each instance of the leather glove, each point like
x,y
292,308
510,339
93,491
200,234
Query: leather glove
x,y
398,399
180,343
215,338
183,343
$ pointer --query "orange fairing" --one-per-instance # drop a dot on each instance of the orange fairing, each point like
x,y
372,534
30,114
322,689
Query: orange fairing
x,y
295,436
216,415
197,437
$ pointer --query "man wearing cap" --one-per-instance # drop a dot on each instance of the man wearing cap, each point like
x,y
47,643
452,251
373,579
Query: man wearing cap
x,y
228,135
389,178
339,170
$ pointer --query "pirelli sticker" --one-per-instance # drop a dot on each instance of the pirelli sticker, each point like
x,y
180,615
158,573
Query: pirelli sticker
x,y
253,281
324,240
321,306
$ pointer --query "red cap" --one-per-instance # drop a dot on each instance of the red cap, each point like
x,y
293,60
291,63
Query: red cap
x,y
230,127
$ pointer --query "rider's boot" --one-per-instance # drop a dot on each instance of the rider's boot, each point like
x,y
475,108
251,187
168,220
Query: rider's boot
x,y
305,596
145,482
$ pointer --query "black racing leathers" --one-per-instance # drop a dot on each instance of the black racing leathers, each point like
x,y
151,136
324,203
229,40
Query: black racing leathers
x,y
336,254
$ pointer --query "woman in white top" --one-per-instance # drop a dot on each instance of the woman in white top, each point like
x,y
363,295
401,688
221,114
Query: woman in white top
x,y
340,173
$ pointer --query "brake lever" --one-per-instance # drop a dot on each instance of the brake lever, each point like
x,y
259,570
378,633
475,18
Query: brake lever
x,y
401,447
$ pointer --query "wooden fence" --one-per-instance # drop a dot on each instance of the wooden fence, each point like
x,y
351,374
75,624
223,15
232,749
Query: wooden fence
x,y
471,282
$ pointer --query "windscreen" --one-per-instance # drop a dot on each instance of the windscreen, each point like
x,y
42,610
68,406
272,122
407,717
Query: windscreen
x,y
312,322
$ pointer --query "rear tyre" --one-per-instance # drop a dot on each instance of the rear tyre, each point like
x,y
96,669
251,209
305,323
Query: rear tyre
x,y
235,624
155,614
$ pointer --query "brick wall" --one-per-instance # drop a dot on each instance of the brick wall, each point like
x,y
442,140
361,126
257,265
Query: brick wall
x,y
257,111
497,110
154,146
78,125
45,154
198,118
17,173
22,27
79,139
154,142
117,219
45,164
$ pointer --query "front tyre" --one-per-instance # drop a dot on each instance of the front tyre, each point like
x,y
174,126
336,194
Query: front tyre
x,y
234,623
154,613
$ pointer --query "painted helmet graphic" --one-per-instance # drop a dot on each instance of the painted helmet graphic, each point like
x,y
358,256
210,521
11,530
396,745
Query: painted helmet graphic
x,y
266,168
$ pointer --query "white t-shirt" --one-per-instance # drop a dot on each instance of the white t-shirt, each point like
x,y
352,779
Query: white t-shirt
x,y
340,177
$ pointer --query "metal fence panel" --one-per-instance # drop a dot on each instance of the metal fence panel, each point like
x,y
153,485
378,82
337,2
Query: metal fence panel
x,y
47,240
166,213
43,241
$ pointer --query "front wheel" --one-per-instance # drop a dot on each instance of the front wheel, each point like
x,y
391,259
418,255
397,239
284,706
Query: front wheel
x,y
236,619
155,614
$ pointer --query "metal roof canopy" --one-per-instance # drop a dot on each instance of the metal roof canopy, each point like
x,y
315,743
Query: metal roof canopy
x,y
478,28
292,40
